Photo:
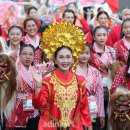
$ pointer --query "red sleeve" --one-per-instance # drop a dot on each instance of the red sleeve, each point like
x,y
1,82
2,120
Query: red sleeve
x,y
86,27
38,57
42,98
58,20
84,109
114,35
118,80
116,49
89,38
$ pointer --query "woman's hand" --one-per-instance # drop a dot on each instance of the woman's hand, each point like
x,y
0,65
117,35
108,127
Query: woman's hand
x,y
13,56
90,128
102,122
37,75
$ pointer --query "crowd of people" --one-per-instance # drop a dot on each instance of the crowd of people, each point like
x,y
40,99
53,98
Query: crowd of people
x,y
64,70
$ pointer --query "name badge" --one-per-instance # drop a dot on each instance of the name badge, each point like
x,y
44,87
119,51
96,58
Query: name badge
x,y
92,105
105,80
27,104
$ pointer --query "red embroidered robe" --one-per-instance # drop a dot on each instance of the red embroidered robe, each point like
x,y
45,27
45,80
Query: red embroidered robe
x,y
121,51
62,101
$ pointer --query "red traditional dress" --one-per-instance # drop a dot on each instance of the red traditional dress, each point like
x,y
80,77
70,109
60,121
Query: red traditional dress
x,y
122,47
120,80
64,99
102,61
28,40
23,112
94,86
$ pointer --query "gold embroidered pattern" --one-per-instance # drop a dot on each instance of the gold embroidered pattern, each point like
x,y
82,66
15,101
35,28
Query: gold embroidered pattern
x,y
65,99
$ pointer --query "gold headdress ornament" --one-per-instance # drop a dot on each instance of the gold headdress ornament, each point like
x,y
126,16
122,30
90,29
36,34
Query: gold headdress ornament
x,y
61,34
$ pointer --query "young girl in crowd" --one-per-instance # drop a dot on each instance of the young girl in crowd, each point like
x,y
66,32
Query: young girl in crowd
x,y
122,76
94,86
31,28
32,13
24,115
102,57
102,20
123,45
15,34
62,94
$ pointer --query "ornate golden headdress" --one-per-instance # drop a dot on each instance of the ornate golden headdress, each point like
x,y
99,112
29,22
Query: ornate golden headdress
x,y
61,34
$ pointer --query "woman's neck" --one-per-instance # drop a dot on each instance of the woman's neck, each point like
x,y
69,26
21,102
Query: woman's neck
x,y
100,47
27,67
14,47
33,38
83,65
128,39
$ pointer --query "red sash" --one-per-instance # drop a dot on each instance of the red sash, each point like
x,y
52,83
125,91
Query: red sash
x,y
122,50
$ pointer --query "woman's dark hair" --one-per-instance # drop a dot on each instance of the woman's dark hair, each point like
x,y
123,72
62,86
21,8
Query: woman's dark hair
x,y
69,11
87,9
95,30
102,12
88,45
127,66
32,7
122,34
18,27
27,45
25,22
11,7
99,9
43,28
58,49
74,3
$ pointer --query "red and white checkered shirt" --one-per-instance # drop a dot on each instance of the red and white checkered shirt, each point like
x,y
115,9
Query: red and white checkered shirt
x,y
94,86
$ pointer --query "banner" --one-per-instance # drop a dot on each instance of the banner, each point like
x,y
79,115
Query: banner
x,y
61,2
113,5
86,3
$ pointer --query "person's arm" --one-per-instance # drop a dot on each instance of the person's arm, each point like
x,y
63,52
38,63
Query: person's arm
x,y
116,51
118,79
118,21
40,97
85,26
84,109
41,92
100,99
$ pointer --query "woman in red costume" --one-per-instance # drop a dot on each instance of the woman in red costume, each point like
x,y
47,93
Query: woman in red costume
x,y
95,88
102,57
31,29
11,18
102,20
122,78
62,97
123,45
